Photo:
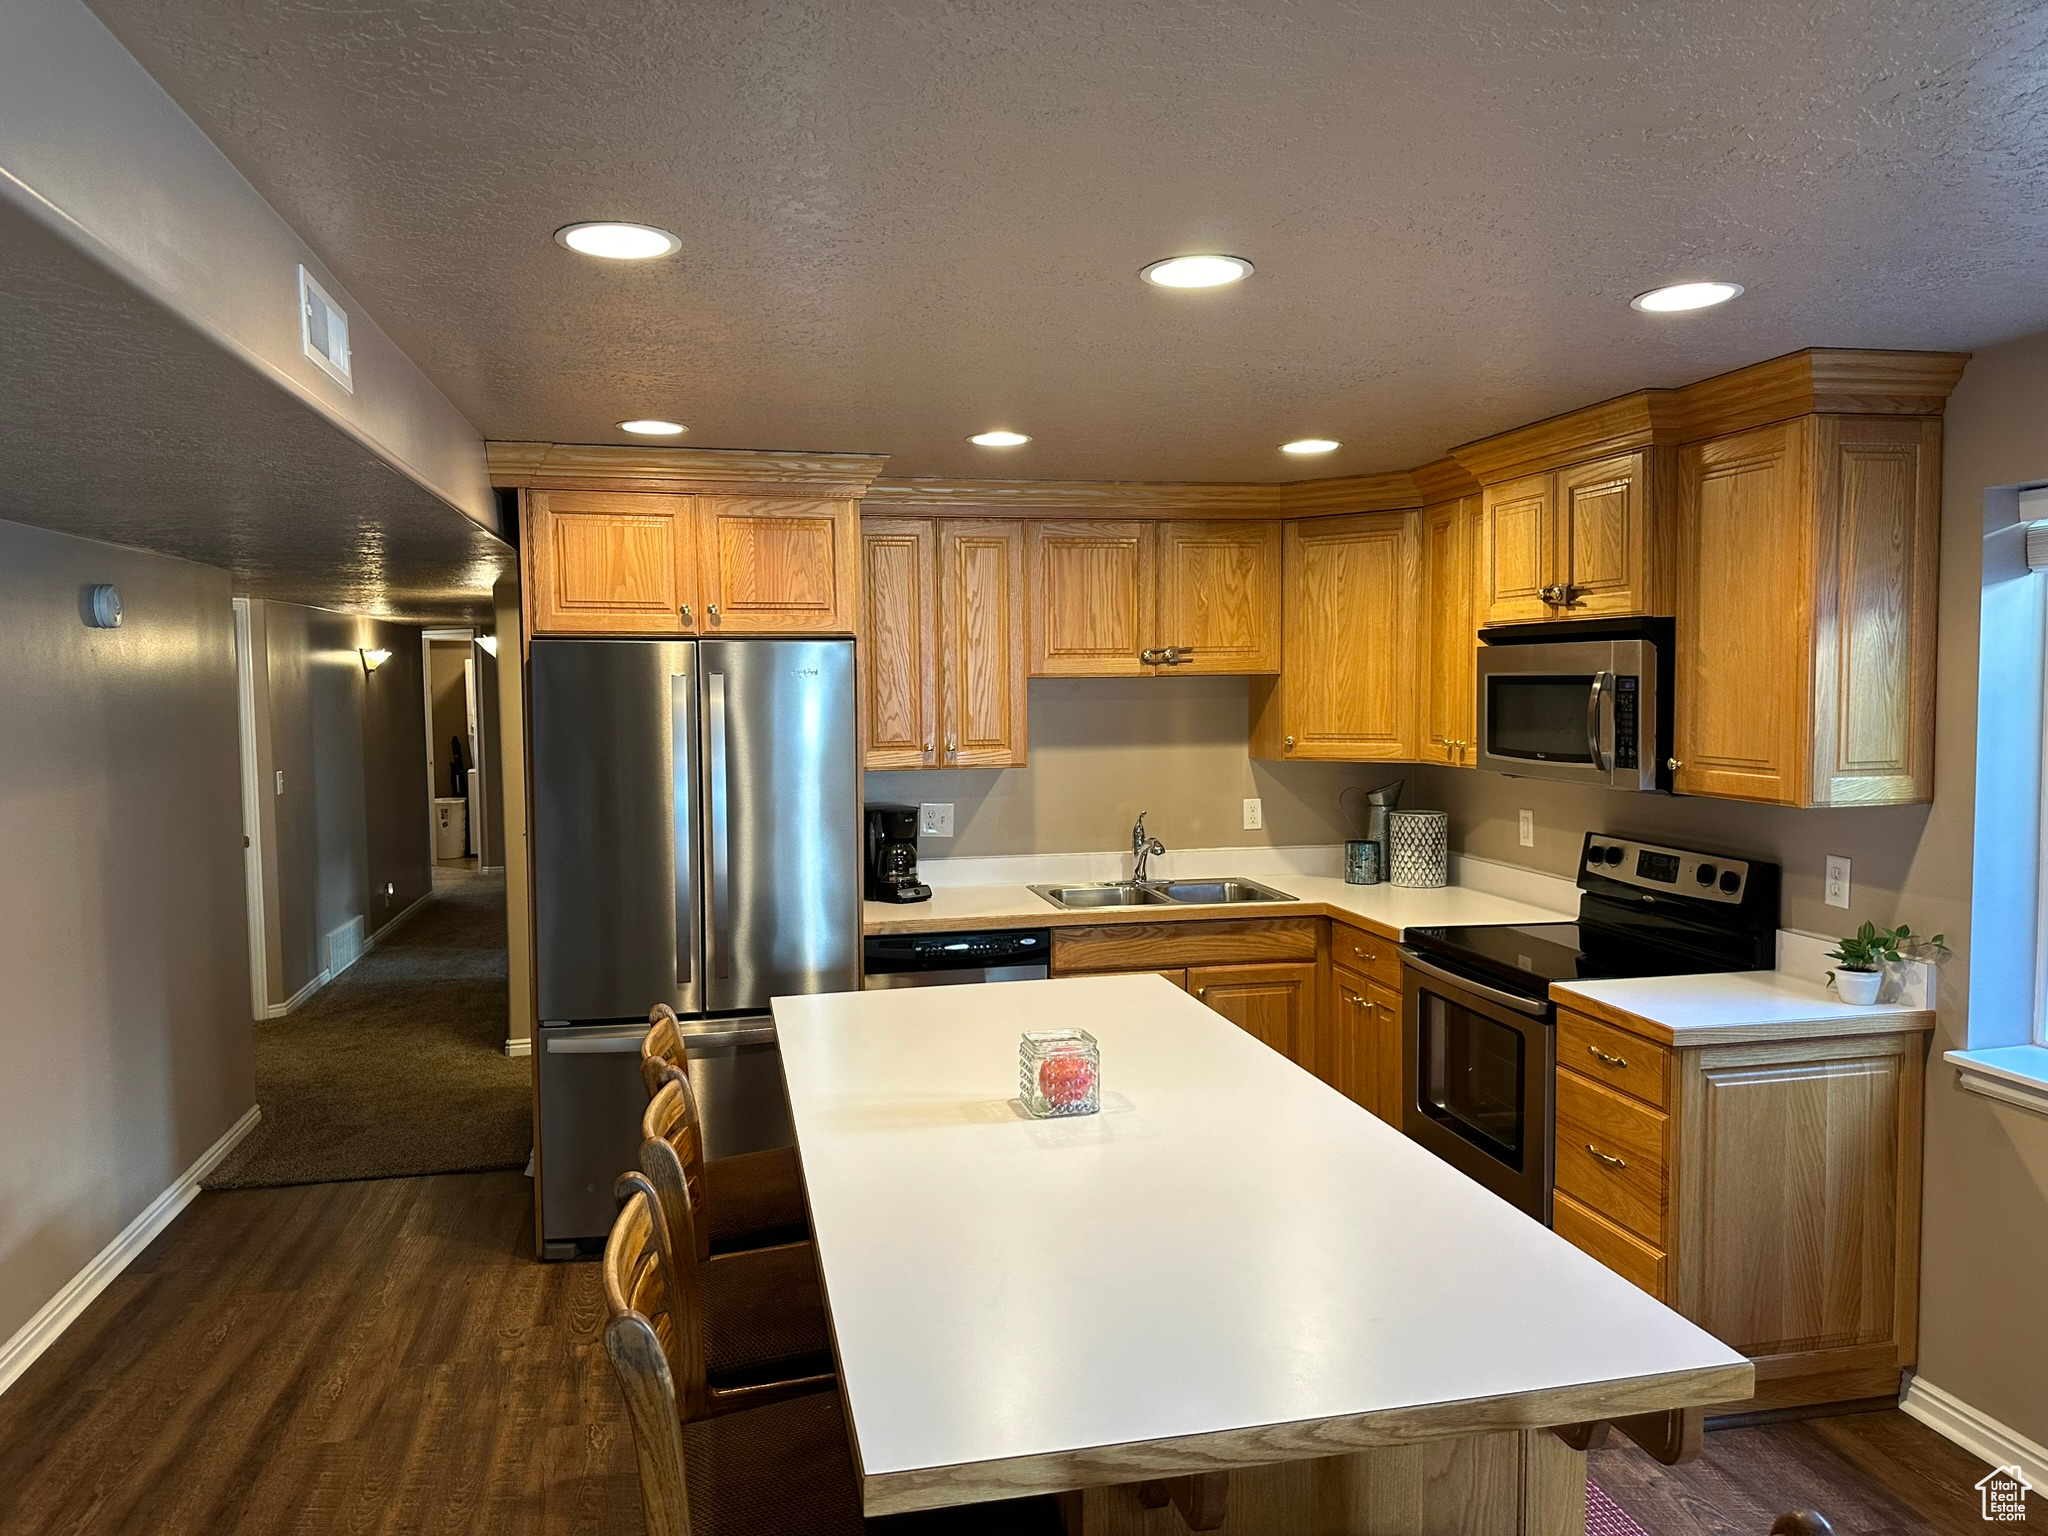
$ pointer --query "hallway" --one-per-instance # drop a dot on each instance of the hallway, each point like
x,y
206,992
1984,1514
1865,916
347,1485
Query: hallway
x,y
397,1067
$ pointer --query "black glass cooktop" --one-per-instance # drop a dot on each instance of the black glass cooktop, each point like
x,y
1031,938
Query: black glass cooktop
x,y
1528,957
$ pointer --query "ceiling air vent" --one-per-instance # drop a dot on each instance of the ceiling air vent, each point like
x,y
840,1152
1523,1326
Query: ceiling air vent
x,y
323,329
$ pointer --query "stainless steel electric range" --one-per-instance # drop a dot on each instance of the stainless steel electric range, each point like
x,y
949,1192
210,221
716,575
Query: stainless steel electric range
x,y
1479,1053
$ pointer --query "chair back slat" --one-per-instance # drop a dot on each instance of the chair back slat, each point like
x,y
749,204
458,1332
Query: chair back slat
x,y
632,1269
671,1118
662,1048
648,1281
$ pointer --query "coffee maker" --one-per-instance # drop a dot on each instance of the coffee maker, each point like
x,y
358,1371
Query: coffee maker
x,y
891,862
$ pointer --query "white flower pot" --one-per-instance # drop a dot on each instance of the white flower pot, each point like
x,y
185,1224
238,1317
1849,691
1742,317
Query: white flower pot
x,y
1859,987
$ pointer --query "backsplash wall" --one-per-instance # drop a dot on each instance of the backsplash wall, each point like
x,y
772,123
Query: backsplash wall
x,y
1104,749
1881,841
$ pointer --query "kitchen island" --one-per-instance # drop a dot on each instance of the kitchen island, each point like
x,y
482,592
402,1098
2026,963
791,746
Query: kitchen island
x,y
1233,1291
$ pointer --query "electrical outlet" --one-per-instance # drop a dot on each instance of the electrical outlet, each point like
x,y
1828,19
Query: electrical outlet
x,y
1838,881
1528,829
1254,814
935,818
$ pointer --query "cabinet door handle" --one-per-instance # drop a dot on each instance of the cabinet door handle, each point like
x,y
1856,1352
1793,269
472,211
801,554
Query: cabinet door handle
x,y
1553,595
1609,1160
1151,656
1201,991
1606,1060
1354,999
1288,743
1176,654
927,746
952,747
686,613
1673,764
712,609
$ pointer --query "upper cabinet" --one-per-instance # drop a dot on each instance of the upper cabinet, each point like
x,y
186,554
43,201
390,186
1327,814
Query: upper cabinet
x,y
777,565
606,563
1806,612
1450,539
1588,541
942,643
1125,599
1350,687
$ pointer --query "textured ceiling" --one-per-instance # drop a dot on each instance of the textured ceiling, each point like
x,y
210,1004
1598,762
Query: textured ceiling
x,y
905,222
124,424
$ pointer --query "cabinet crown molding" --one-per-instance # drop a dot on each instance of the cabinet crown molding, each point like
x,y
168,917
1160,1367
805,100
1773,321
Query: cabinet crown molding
x,y
704,471
1075,499
1817,380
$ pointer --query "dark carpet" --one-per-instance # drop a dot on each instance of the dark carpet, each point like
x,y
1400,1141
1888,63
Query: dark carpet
x,y
397,1067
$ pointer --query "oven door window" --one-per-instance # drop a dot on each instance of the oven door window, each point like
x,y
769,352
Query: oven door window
x,y
1538,718
1469,1077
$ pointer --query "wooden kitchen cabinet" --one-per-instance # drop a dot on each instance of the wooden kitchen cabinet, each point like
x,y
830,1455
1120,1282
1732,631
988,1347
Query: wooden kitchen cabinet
x,y
1362,1034
1768,1188
1349,688
1589,541
641,563
1808,562
1093,588
899,651
1273,1003
610,563
1450,537
981,643
942,643
1128,599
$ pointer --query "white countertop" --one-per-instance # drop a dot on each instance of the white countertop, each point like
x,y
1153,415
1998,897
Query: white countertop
x,y
1716,1009
1230,1244
1388,909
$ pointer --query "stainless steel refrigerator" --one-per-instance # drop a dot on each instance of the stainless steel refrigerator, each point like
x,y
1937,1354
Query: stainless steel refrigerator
x,y
696,842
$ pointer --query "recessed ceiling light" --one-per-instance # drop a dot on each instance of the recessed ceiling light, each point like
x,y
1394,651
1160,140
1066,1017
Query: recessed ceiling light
x,y
998,439
1197,271
647,426
1683,296
1311,445
618,242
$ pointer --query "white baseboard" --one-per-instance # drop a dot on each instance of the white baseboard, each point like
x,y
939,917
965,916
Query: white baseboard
x,y
279,1010
62,1309
1978,1433
397,921
518,1047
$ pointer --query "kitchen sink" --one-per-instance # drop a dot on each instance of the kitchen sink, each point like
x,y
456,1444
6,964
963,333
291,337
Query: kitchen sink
x,y
1205,892
1163,893
1101,895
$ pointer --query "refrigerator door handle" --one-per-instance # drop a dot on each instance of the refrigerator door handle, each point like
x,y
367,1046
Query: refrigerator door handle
x,y
682,735
721,861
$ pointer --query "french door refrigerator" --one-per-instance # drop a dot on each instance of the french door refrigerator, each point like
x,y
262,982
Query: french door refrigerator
x,y
696,842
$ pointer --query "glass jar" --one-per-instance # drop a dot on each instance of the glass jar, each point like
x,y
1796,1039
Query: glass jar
x,y
1059,1072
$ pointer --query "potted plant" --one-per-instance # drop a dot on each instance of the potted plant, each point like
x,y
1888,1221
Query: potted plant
x,y
1863,956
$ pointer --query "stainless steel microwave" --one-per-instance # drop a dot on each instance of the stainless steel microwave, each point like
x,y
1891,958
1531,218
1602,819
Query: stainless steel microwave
x,y
1587,701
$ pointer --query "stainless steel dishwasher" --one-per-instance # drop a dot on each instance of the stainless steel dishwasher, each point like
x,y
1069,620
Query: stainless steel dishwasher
x,y
951,959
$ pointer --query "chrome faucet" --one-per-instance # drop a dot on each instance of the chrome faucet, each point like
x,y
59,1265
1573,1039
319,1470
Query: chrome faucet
x,y
1142,848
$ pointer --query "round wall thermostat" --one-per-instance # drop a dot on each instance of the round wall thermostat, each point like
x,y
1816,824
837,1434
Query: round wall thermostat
x,y
104,603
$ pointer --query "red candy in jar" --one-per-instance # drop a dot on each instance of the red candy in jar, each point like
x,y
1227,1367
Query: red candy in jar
x,y
1066,1081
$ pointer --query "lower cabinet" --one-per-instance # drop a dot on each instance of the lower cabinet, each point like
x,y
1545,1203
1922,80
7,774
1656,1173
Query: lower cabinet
x,y
1274,1003
1363,1041
1766,1188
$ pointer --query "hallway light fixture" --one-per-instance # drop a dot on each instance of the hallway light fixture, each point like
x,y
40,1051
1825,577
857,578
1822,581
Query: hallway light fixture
x,y
616,241
1678,298
1196,271
372,660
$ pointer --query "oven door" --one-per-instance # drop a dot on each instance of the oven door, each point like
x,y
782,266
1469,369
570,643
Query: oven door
x,y
1477,1068
1582,711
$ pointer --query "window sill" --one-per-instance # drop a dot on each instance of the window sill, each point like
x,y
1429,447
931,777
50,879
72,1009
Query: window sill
x,y
2012,1074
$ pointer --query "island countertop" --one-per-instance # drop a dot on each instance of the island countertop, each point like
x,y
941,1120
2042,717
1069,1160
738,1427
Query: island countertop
x,y
1231,1266
1721,1008
1383,909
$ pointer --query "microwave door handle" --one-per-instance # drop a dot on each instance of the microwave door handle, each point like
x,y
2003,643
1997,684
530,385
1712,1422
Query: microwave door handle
x,y
1594,733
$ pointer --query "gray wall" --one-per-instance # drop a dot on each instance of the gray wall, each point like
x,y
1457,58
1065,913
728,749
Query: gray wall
x,y
124,1014
352,820
1104,749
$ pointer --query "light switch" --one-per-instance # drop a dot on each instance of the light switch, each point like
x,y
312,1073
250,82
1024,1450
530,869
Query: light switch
x,y
1254,814
935,818
280,781
1838,881
1528,829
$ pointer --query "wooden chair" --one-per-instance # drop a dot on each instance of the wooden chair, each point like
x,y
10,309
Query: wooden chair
x,y
754,1200
748,1327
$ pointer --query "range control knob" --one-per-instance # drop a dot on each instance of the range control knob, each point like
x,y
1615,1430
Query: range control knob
x,y
1731,882
1613,855
1705,874
1595,853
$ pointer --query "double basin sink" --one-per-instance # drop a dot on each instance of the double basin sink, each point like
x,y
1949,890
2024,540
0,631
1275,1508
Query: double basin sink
x,y
1157,893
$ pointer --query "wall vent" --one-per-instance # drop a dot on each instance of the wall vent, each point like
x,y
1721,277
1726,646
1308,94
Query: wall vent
x,y
323,329
344,947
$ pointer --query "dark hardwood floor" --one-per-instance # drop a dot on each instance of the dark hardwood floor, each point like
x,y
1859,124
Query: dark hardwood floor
x,y
387,1357
1872,1474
